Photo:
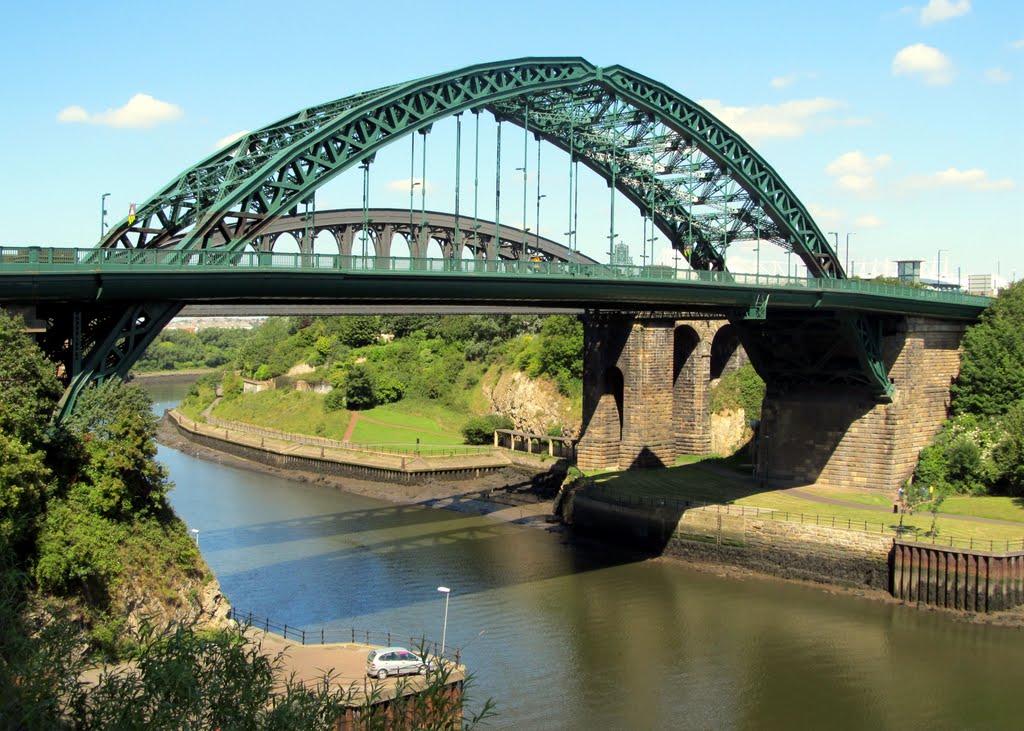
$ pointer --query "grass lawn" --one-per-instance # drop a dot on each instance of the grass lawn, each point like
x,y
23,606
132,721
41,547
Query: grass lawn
x,y
1000,508
367,432
699,481
300,412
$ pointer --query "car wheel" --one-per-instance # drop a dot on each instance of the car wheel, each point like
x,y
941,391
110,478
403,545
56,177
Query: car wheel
x,y
382,674
423,669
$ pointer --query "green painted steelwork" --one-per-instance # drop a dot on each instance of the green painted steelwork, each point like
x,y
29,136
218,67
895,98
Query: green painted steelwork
x,y
658,148
53,274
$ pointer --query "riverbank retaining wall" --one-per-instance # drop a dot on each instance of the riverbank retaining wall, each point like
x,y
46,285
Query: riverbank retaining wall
x,y
956,578
407,471
776,547
964,579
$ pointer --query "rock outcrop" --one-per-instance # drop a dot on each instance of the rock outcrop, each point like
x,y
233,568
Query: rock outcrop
x,y
534,404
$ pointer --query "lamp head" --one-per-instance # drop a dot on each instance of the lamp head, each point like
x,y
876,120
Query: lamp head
x,y
443,589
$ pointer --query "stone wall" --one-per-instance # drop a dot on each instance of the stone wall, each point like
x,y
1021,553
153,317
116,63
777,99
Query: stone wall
x,y
718,534
646,392
838,436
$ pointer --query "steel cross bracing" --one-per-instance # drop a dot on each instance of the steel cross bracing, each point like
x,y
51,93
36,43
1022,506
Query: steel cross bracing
x,y
676,160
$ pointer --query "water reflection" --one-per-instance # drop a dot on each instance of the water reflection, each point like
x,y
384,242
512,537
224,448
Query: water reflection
x,y
583,637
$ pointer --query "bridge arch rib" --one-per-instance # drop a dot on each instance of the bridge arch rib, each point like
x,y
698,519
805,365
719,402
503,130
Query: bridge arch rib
x,y
699,181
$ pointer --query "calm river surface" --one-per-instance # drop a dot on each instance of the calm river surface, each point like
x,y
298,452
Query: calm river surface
x,y
577,636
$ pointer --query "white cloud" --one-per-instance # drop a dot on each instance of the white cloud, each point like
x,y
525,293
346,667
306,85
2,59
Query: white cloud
x,y
924,62
788,119
937,11
855,171
868,221
142,110
973,179
234,137
72,115
996,75
403,184
1018,44
827,218
781,82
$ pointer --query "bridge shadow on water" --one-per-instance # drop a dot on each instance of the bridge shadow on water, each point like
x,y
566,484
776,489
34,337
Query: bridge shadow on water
x,y
354,562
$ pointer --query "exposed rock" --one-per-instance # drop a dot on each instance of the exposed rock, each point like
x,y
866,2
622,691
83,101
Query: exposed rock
x,y
729,431
533,404
300,370
181,599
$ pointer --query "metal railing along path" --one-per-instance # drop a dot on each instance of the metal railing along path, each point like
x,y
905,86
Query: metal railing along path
x,y
41,260
904,533
405,450
324,635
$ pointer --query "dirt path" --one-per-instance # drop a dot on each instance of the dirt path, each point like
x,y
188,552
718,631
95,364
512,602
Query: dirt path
x,y
351,427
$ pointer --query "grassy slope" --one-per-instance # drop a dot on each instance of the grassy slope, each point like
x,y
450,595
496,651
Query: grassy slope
x,y
304,413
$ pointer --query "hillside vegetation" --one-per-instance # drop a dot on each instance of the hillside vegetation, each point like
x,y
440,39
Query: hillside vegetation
x,y
419,374
981,447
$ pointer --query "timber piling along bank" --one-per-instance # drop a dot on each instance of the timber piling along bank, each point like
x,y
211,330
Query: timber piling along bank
x,y
957,578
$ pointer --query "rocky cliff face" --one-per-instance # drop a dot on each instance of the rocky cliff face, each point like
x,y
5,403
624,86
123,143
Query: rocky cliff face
x,y
179,598
729,431
535,405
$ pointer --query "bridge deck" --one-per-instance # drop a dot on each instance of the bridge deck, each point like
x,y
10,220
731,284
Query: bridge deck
x,y
37,275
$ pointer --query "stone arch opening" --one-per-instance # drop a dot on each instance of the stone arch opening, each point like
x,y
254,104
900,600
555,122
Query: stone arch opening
x,y
726,353
690,394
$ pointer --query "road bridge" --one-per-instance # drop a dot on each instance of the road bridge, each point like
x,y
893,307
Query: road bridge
x,y
840,358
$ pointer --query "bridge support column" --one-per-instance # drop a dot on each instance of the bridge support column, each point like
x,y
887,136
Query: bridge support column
x,y
627,393
840,435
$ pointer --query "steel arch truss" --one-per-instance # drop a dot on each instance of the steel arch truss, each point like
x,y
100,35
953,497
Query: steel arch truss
x,y
95,343
702,184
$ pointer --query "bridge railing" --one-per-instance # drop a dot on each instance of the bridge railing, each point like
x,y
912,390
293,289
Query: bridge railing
x,y
38,260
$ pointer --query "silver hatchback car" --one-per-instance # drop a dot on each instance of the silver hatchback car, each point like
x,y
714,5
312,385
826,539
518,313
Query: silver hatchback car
x,y
387,661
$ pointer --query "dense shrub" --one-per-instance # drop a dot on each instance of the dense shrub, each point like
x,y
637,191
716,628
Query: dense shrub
x,y
739,389
480,429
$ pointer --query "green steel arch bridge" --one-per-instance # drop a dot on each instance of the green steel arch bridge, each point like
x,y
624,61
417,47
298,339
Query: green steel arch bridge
x,y
209,235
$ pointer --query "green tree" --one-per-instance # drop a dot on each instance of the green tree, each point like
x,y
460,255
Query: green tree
x,y
359,330
991,376
29,388
359,389
480,429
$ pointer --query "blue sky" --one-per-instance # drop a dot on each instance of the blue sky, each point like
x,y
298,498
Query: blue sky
x,y
899,123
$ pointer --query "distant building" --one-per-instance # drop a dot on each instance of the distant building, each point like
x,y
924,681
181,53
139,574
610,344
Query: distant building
x,y
908,271
982,284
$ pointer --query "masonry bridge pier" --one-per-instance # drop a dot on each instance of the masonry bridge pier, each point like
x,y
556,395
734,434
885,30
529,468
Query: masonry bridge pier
x,y
857,373
647,385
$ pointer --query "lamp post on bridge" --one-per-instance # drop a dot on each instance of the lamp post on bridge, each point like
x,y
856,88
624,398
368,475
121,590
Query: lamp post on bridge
x,y
103,214
846,265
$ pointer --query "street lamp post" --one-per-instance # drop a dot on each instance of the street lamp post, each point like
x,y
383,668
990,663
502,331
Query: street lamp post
x,y
103,214
847,264
444,630
938,265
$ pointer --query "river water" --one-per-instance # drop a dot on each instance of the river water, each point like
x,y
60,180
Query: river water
x,y
580,636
